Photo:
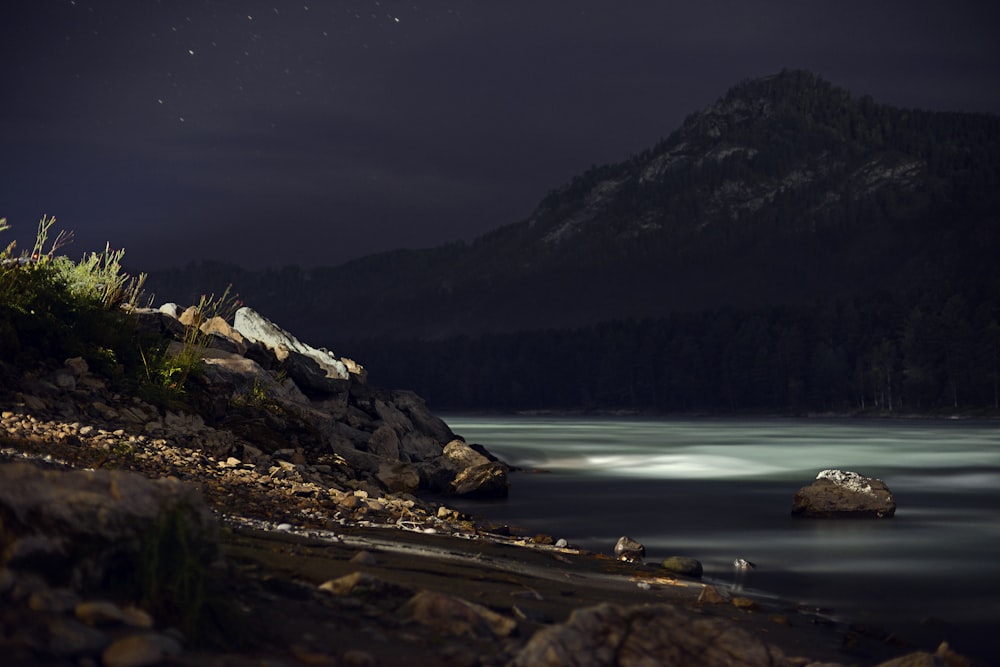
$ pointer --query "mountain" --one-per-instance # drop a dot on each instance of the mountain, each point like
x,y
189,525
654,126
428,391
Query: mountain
x,y
791,248
787,189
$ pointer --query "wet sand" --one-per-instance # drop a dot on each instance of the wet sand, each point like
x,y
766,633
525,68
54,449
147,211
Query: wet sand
x,y
536,585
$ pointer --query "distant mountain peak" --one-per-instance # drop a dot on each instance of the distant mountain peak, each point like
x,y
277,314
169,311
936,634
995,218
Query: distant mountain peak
x,y
786,188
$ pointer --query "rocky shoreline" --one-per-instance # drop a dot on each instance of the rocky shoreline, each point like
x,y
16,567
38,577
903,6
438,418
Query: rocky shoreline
x,y
311,494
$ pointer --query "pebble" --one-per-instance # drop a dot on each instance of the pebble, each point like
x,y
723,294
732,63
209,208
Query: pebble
x,y
99,613
140,650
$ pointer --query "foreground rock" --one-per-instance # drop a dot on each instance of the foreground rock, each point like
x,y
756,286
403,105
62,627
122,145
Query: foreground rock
x,y
67,536
613,635
83,528
841,494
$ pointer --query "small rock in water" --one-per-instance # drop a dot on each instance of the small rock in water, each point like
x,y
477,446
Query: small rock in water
x,y
283,526
687,567
629,550
743,564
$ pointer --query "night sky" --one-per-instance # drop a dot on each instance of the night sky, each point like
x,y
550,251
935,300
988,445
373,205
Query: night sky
x,y
312,132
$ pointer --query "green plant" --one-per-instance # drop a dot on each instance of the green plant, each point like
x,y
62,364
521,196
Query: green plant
x,y
51,307
169,368
99,276
172,577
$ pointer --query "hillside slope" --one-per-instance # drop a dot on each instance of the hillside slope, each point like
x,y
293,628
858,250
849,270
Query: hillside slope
x,y
787,189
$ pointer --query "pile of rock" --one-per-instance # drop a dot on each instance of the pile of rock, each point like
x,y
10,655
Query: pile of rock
x,y
271,393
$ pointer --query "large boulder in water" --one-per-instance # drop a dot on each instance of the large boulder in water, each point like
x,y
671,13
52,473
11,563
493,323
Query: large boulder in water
x,y
844,494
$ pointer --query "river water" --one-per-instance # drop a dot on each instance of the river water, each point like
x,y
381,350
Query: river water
x,y
720,489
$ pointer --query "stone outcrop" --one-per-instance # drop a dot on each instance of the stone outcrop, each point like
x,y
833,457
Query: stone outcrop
x,y
658,634
323,404
310,367
842,494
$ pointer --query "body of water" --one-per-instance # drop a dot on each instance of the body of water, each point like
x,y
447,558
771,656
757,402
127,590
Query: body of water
x,y
720,489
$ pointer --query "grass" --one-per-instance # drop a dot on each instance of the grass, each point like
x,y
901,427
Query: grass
x,y
53,308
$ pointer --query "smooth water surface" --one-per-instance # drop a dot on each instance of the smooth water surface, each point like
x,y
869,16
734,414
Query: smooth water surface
x,y
718,489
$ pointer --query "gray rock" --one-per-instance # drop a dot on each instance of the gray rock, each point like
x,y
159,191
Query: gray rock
x,y
423,420
310,367
384,443
399,477
462,456
840,494
393,417
629,550
419,447
616,636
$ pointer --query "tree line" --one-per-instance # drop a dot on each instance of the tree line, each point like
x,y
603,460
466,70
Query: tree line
x,y
932,353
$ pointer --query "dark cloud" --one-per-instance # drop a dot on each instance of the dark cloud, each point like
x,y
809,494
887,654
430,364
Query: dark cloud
x,y
312,133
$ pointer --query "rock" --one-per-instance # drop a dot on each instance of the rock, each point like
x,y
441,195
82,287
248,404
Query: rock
x,y
613,635
362,583
423,420
629,550
417,446
943,656
713,595
384,443
223,335
310,367
78,366
363,558
140,650
69,638
687,567
51,600
82,527
358,658
436,475
457,617
393,417
484,481
462,456
99,612
399,477
840,494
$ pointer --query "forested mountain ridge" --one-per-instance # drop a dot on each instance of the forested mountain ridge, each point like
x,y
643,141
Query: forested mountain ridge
x,y
715,270
787,189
